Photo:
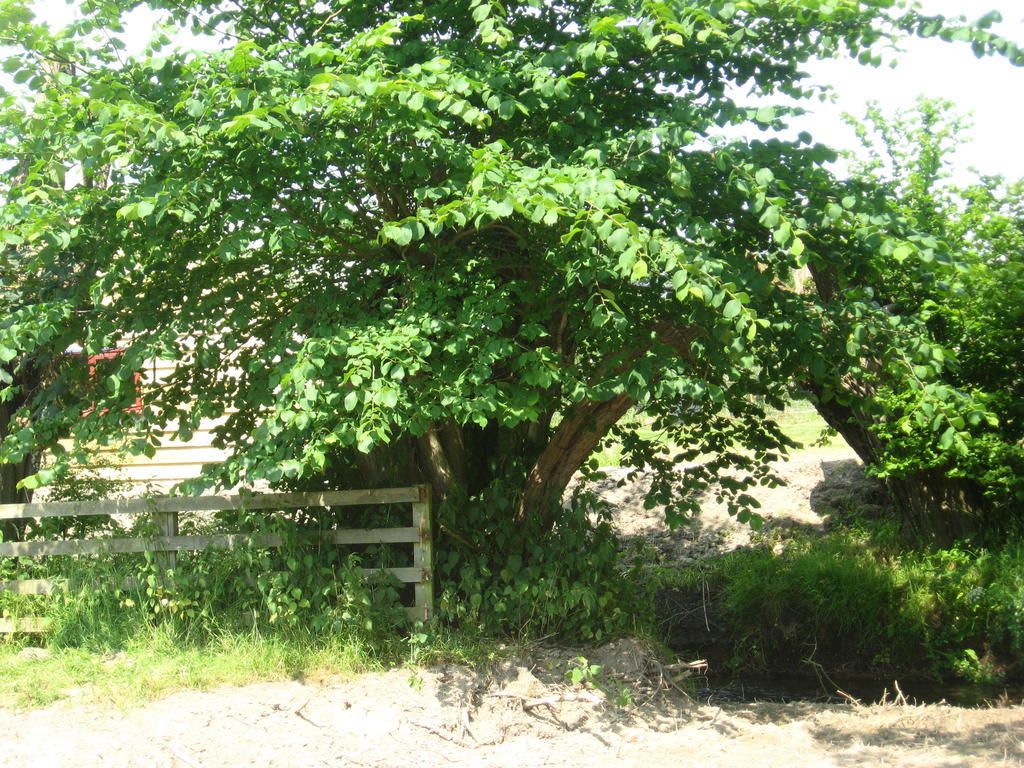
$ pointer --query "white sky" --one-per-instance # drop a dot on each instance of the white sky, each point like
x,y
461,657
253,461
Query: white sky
x,y
990,88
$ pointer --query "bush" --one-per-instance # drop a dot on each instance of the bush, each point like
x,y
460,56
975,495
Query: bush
x,y
499,578
817,596
849,600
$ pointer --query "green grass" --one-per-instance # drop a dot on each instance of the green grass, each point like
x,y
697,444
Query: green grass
x,y
800,423
859,595
157,661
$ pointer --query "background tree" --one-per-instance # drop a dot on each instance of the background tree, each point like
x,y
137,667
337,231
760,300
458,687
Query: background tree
x,y
949,483
451,240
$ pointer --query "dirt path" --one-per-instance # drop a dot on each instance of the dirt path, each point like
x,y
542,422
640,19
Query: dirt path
x,y
818,483
397,719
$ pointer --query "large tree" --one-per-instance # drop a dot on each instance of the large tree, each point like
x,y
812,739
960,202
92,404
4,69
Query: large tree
x,y
455,240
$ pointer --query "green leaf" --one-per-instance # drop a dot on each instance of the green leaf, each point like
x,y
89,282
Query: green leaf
x,y
770,217
783,233
322,81
619,239
400,235
732,308
901,252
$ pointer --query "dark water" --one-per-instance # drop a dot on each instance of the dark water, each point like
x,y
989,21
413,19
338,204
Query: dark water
x,y
786,689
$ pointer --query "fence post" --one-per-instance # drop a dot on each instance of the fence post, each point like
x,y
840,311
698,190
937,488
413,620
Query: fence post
x,y
422,555
166,527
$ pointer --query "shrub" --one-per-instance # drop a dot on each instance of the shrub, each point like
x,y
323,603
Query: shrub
x,y
499,578
850,600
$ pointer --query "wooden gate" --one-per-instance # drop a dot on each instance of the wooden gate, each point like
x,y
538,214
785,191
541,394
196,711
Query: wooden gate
x,y
164,511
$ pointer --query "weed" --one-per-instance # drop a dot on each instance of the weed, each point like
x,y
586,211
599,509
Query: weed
x,y
582,673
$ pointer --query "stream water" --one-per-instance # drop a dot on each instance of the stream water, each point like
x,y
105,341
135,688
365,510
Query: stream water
x,y
785,689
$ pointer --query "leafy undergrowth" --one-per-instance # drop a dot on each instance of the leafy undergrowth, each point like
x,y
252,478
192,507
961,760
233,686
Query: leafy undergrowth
x,y
856,600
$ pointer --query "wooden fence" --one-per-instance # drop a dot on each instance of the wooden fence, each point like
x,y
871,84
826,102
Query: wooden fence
x,y
165,509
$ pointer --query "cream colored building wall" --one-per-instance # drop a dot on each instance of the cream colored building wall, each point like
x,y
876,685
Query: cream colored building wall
x,y
174,460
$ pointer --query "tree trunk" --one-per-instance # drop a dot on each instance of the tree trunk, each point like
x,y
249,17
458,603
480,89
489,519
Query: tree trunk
x,y
435,464
930,505
575,438
583,428
939,508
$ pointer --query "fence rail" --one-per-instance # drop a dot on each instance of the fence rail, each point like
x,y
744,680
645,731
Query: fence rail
x,y
164,511
414,494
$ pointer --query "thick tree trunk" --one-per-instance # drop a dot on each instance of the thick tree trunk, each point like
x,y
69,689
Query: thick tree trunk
x,y
930,505
581,431
853,427
575,438
939,508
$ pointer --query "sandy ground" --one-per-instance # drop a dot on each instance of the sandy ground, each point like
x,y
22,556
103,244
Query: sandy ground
x,y
451,716
818,484
523,713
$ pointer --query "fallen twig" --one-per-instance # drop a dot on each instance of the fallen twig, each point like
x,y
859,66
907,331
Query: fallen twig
x,y
298,713
852,699
443,734
179,756
464,719
666,675
900,698
529,702
693,666
712,721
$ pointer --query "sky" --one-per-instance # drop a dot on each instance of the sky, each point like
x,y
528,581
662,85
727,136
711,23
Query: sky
x,y
990,88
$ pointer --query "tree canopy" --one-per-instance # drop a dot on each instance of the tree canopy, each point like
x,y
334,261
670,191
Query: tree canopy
x,y
451,240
